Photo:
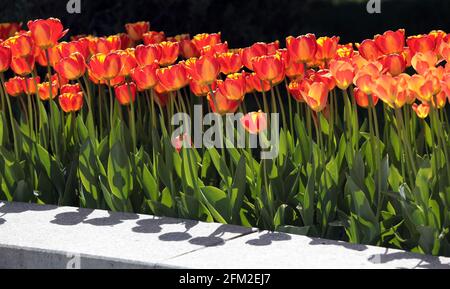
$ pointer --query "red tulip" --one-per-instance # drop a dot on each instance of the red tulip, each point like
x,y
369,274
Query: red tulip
x,y
173,77
14,86
327,48
128,61
169,53
153,37
5,58
204,39
71,102
362,99
203,70
148,54
145,77
136,30
256,50
105,66
229,62
22,65
71,67
44,90
188,49
369,50
391,42
70,88
125,93
9,29
343,73
268,67
422,62
393,63
302,49
422,110
233,87
104,44
21,45
421,43
224,105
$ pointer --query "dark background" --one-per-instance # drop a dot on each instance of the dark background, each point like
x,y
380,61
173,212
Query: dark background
x,y
242,22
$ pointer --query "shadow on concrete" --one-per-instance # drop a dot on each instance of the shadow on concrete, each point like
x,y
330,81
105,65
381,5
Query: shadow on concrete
x,y
268,238
2,221
354,247
216,237
423,261
17,208
81,216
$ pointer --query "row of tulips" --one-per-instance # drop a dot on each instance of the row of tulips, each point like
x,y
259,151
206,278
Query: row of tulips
x,y
87,122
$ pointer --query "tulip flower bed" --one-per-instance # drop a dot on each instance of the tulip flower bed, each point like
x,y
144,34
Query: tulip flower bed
x,y
363,140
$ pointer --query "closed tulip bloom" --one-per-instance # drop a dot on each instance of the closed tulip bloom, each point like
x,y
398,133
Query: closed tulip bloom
x,y
254,122
169,52
21,45
327,48
71,67
204,39
81,46
125,41
298,89
30,85
173,77
422,110
233,87
302,49
421,43
256,50
128,61
224,105
153,37
105,66
422,62
369,50
394,64
188,49
391,41
136,30
268,67
145,77
125,93
46,33
22,65
252,80
14,86
105,44
44,90
147,54
71,102
317,96
5,58
230,62
70,88
343,73
362,99
214,50
203,70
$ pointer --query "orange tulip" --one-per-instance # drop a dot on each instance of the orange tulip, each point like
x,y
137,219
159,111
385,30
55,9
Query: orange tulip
x,y
230,62
5,58
387,88
393,63
343,73
153,37
169,53
252,80
44,90
125,41
439,101
46,33
188,49
21,45
302,49
71,102
444,51
362,99
22,65
421,43
199,89
54,54
203,70
269,67
137,29
317,96
14,86
29,86
345,50
81,46
125,93
148,54
391,42
327,48
105,66
173,77
365,77
422,110
71,67
214,50
9,29
298,89
70,88
422,62
369,50
445,84
128,61
224,105
323,75
204,39
233,87
254,122
104,44
145,77
422,87
256,50
59,80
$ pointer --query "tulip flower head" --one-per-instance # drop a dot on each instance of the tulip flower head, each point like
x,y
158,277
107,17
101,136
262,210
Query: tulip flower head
x,y
269,67
343,73
153,37
14,86
5,58
302,49
422,110
125,93
254,122
203,70
44,90
46,33
105,66
317,96
71,67
71,102
173,77
391,41
136,30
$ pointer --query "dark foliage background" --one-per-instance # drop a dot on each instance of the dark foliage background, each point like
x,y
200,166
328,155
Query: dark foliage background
x,y
241,22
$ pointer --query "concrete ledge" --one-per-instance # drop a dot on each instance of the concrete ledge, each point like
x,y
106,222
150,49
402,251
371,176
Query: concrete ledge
x,y
34,236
